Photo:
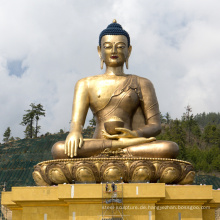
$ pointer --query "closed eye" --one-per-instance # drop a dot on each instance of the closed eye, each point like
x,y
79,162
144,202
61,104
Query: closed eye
x,y
107,47
121,46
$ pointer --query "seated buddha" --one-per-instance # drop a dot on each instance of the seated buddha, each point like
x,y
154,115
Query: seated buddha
x,y
115,95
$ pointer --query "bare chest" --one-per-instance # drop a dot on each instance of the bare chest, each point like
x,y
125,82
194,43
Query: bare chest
x,y
101,91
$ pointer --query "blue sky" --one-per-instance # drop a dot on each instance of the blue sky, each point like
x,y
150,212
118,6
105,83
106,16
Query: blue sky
x,y
15,68
46,46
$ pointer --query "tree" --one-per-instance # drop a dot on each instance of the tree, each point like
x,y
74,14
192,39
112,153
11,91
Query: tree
x,y
186,115
7,135
92,122
32,115
28,120
162,119
211,134
89,131
61,131
190,123
11,138
204,119
39,111
28,131
174,132
198,138
167,118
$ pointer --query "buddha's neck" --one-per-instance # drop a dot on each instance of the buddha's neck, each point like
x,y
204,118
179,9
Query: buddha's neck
x,y
118,71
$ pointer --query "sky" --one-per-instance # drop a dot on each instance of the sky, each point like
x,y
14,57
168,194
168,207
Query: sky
x,y
47,46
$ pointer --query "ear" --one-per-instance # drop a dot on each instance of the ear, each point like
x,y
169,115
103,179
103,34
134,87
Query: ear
x,y
129,51
99,51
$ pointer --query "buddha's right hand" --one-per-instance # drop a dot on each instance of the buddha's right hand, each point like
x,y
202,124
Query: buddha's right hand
x,y
73,141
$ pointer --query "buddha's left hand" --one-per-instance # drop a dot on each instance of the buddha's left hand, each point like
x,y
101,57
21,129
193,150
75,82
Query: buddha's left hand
x,y
125,133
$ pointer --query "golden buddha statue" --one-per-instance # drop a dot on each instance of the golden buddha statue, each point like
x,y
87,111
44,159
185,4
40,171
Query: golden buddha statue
x,y
127,118
115,97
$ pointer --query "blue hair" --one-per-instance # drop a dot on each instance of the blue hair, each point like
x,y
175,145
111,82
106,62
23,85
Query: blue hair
x,y
114,29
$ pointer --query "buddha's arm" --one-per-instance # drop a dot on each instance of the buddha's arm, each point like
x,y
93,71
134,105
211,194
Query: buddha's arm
x,y
79,112
150,108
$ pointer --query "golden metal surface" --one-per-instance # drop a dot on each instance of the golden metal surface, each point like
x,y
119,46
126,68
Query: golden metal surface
x,y
112,124
115,94
102,169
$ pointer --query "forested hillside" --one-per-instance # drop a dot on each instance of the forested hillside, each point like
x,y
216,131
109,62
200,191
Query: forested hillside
x,y
198,138
17,159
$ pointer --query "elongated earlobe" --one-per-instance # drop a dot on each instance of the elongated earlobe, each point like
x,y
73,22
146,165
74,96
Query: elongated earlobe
x,y
102,62
129,53
126,63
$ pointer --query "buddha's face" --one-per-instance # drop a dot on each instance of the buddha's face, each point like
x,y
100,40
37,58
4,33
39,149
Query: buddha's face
x,y
114,50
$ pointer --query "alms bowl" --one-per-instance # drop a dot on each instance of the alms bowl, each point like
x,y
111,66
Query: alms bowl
x,y
111,125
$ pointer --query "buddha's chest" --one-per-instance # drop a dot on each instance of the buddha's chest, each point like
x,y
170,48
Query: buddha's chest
x,y
104,97
100,94
103,89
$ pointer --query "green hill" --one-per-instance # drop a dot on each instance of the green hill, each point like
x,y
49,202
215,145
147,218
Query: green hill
x,y
18,158
207,180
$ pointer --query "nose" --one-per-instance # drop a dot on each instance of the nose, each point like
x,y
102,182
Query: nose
x,y
114,50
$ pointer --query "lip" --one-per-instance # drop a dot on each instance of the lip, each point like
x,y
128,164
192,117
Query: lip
x,y
114,57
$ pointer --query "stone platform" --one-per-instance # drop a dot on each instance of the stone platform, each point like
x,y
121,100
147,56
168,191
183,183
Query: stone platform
x,y
152,201
113,169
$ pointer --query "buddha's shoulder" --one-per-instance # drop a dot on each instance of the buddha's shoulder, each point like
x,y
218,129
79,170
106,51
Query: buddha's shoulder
x,y
97,78
143,81
91,78
86,80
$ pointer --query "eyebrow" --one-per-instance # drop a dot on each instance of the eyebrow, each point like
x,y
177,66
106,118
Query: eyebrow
x,y
116,43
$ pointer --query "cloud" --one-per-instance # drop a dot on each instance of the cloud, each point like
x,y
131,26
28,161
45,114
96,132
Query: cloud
x,y
53,44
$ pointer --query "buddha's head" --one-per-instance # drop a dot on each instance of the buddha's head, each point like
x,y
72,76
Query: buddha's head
x,y
114,46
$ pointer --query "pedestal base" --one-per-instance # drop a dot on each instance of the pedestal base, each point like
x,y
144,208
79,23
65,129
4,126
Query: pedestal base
x,y
112,169
155,201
